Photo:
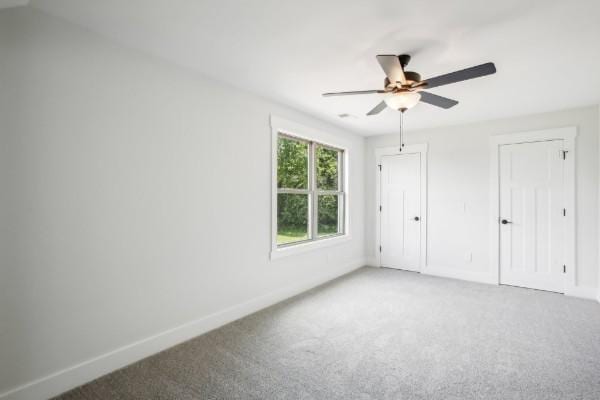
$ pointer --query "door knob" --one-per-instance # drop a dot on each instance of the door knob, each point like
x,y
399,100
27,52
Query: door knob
x,y
505,221
416,218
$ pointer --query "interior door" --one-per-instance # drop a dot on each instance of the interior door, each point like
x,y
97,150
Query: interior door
x,y
401,211
531,215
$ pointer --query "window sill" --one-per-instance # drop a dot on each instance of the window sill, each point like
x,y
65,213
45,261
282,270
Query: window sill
x,y
308,246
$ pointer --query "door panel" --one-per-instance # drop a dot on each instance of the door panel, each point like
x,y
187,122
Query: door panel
x,y
531,204
401,203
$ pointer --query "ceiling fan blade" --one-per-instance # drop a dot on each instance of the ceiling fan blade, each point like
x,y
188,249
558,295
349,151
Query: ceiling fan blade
x,y
392,68
436,100
352,93
378,108
462,75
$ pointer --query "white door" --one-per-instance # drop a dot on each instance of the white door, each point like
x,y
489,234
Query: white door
x,y
401,211
531,215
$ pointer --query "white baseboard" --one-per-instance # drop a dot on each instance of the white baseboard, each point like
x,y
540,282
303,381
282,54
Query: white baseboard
x,y
89,370
582,292
462,274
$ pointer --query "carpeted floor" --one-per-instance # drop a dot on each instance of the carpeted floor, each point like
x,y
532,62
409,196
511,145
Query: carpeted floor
x,y
383,334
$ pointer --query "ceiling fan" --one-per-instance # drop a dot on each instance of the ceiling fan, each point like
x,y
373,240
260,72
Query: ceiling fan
x,y
404,89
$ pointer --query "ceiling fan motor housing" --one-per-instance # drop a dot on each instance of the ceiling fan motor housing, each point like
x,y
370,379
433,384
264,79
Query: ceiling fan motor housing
x,y
411,78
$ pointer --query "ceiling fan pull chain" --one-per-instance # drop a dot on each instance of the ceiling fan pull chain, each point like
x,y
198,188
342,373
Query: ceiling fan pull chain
x,y
400,133
401,129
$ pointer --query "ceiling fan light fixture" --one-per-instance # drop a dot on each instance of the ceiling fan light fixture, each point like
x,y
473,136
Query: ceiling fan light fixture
x,y
402,100
404,89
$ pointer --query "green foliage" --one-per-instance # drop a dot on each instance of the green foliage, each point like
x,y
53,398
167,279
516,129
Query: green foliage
x,y
292,164
328,214
291,235
292,211
327,169
292,173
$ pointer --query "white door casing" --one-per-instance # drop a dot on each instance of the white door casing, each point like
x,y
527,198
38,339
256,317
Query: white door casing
x,y
531,212
565,136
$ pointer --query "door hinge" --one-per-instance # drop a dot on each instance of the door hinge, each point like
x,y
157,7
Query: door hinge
x,y
380,249
379,165
564,154
564,212
564,269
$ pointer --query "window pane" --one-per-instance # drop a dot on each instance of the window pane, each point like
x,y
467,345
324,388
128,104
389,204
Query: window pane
x,y
292,217
292,164
327,168
328,214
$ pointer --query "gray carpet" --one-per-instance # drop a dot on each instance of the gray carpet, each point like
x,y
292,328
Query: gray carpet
x,y
383,334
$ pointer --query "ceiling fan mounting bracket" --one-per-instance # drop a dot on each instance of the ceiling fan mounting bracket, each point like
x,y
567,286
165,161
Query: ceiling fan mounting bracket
x,y
404,60
389,85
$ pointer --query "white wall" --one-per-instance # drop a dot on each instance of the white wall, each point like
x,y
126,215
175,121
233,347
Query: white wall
x,y
458,173
139,198
136,198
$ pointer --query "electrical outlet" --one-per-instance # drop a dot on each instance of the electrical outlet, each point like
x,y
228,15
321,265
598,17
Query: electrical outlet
x,y
469,256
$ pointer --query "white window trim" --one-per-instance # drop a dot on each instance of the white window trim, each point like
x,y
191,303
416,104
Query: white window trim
x,y
284,126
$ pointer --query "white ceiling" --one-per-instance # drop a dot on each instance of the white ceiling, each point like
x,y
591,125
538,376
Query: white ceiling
x,y
547,52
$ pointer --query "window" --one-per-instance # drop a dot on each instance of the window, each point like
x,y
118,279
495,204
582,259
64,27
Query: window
x,y
310,191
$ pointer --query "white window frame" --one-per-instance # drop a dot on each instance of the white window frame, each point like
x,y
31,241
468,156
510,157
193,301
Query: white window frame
x,y
281,126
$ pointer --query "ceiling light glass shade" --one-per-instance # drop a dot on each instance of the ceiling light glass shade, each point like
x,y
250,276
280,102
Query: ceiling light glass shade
x,y
403,100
